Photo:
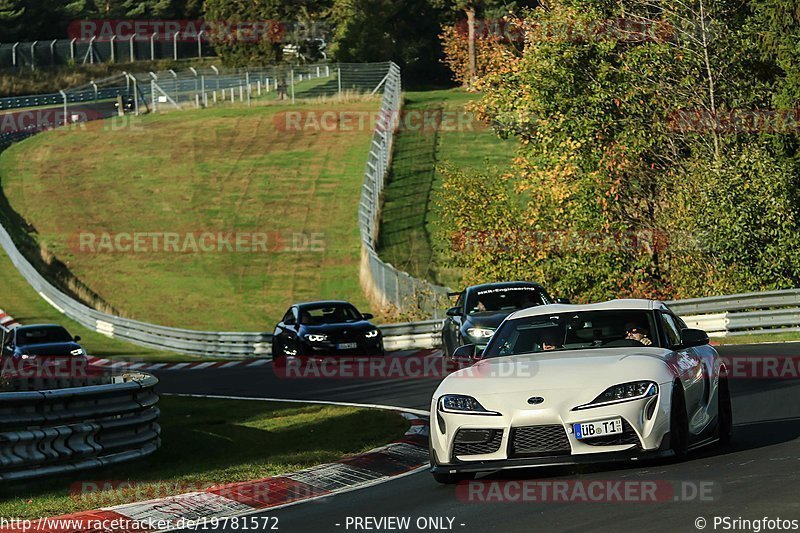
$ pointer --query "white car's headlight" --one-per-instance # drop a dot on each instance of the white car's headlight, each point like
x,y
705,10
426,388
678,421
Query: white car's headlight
x,y
480,333
457,403
372,334
316,338
624,392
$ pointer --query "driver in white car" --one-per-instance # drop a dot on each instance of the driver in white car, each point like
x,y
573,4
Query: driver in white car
x,y
635,332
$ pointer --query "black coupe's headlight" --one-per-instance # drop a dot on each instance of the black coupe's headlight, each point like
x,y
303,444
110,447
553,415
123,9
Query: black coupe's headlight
x,y
624,392
372,334
316,337
460,404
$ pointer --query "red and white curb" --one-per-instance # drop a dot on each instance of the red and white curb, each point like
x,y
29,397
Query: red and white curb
x,y
149,367
403,457
7,321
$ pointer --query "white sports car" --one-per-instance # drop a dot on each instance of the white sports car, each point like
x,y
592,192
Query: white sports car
x,y
568,384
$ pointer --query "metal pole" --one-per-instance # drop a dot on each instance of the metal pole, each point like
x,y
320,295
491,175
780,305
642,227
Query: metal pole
x,y
247,81
133,57
64,96
153,47
72,49
153,97
111,43
175,45
136,96
53,51
200,44
292,76
339,69
91,50
95,89
33,55
14,54
203,90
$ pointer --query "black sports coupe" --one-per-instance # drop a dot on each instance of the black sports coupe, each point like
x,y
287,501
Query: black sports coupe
x,y
328,328
480,309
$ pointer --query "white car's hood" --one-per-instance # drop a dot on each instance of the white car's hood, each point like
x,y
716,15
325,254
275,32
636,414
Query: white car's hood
x,y
573,369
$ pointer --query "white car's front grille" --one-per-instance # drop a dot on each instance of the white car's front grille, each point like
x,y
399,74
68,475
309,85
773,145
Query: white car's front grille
x,y
539,440
477,441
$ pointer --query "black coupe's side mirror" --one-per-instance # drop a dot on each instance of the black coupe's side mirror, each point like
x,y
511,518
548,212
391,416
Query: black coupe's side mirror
x,y
367,316
468,352
693,337
563,301
77,338
454,311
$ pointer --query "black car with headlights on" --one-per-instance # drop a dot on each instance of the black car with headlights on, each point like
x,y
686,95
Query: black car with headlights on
x,y
41,341
480,309
328,328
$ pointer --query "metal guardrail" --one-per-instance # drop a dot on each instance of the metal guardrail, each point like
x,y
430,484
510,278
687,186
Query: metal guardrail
x,y
59,431
742,314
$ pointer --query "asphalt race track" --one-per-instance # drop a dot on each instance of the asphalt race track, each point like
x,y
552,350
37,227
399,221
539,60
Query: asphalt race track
x,y
755,478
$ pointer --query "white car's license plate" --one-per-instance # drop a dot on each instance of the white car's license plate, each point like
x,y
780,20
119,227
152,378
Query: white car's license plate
x,y
347,345
587,430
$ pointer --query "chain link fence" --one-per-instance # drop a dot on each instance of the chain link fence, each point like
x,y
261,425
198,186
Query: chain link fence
x,y
62,52
385,285
136,93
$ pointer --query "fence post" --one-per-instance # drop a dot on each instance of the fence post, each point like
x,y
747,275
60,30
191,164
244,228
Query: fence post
x,y
53,51
291,75
247,81
175,45
203,90
153,47
339,69
14,54
66,110
111,44
200,44
33,55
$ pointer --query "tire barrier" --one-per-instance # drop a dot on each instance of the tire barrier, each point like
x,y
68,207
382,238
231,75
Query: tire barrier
x,y
53,432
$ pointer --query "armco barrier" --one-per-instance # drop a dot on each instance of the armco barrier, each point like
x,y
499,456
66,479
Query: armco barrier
x,y
742,314
60,431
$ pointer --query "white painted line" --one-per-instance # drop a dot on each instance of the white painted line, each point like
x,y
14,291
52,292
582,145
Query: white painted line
x,y
203,365
259,363
320,402
231,364
179,366
156,366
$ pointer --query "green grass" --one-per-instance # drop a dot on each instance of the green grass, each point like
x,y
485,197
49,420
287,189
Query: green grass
x,y
233,441
19,299
409,219
227,169
758,338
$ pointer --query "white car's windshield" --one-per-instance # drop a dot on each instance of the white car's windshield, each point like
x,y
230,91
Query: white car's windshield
x,y
573,331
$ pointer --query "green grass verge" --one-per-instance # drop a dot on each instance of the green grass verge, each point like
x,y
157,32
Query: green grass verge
x,y
409,221
758,338
19,299
207,442
227,169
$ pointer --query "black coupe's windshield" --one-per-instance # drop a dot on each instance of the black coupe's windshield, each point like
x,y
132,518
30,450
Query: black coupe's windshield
x,y
573,331
329,314
502,299
42,335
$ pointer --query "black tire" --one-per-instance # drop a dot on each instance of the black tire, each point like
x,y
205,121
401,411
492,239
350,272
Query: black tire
x,y
725,412
452,479
679,423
